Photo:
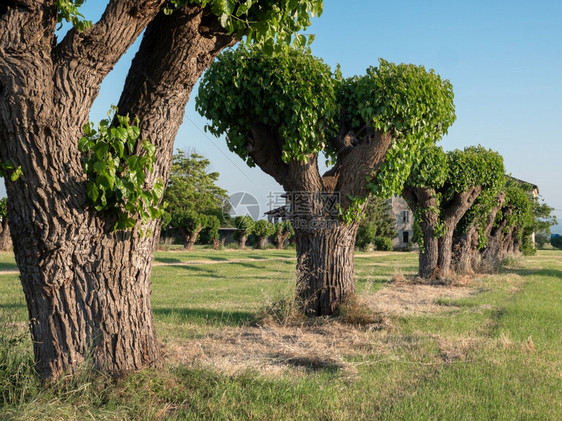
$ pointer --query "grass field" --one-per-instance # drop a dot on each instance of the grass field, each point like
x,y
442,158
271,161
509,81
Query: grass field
x,y
484,348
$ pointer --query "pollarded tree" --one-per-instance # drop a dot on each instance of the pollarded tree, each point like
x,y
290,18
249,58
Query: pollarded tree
x,y
280,112
440,189
210,233
244,227
4,227
283,231
88,287
262,230
189,224
473,230
510,225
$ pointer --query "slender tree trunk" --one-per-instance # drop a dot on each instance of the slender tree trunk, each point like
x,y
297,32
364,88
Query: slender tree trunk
x,y
5,240
325,267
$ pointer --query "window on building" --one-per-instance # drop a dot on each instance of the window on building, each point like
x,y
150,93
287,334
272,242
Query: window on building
x,y
405,216
405,237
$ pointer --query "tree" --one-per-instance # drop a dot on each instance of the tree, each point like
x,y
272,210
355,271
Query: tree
x,y
511,224
283,231
280,112
189,224
377,222
4,227
244,227
192,187
262,230
556,242
210,233
543,219
439,190
87,286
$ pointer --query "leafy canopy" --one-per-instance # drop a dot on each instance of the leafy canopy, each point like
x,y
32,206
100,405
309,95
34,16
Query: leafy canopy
x,y
192,187
293,93
306,104
263,21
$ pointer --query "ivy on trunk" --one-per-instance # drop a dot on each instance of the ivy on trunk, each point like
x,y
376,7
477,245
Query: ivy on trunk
x,y
87,287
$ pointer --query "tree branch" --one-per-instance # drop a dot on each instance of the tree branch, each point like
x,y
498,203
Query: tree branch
x,y
174,52
264,146
79,70
357,164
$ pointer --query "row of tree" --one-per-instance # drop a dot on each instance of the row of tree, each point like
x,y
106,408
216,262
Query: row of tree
x,y
468,214
87,286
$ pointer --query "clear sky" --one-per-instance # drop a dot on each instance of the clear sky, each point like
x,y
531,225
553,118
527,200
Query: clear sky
x,y
504,59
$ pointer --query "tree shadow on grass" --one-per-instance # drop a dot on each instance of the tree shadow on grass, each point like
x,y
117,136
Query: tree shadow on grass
x,y
8,266
208,316
552,273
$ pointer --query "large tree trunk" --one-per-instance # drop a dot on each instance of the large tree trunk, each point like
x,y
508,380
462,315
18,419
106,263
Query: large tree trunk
x,y
242,242
280,240
451,216
261,242
465,252
189,239
5,241
325,266
423,201
88,288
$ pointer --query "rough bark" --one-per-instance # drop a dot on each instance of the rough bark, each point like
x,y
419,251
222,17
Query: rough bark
x,y
262,242
325,245
5,241
280,239
216,244
451,216
242,242
423,201
465,252
325,266
495,251
190,237
88,288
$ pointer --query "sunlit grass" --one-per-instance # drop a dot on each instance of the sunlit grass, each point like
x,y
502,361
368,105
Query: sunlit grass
x,y
493,354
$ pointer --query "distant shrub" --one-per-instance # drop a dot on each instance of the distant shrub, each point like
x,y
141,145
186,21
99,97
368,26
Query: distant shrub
x,y
383,243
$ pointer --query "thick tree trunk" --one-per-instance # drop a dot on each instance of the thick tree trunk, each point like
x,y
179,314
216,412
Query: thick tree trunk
x,y
451,216
261,242
423,201
190,238
216,244
88,288
242,242
280,240
465,252
5,241
325,267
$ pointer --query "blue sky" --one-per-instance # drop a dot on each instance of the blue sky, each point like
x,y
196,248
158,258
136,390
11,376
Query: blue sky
x,y
504,59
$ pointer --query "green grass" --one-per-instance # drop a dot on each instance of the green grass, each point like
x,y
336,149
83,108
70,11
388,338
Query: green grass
x,y
495,354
